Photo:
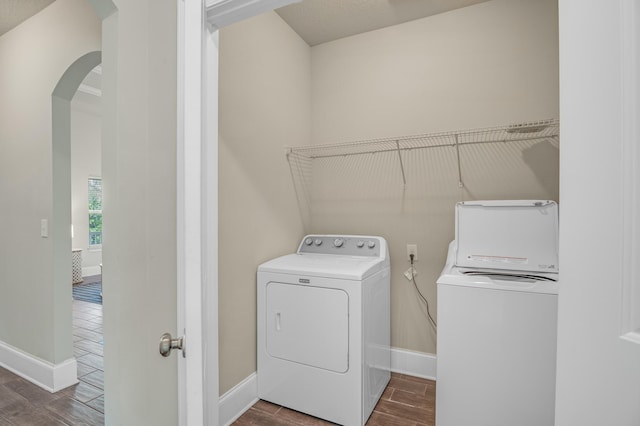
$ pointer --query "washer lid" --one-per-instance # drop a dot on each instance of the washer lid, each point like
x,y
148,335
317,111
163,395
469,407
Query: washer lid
x,y
516,235
325,265
546,283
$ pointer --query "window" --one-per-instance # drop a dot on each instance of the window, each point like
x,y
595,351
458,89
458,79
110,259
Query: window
x,y
95,213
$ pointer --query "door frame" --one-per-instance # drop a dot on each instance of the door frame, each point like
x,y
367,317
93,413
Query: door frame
x,y
197,197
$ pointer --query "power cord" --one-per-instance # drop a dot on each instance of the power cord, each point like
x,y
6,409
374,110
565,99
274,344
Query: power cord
x,y
413,280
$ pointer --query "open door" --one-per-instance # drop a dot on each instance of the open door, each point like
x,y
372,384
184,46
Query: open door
x,y
598,380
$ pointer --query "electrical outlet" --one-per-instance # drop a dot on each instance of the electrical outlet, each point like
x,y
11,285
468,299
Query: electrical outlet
x,y
412,249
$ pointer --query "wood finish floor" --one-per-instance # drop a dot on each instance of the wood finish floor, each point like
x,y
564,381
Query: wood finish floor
x,y
407,401
24,404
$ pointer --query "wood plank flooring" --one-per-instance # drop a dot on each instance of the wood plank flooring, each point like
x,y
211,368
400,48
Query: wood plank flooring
x,y
407,401
24,404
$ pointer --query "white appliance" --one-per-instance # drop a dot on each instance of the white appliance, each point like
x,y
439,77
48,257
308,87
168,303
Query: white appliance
x,y
497,316
324,327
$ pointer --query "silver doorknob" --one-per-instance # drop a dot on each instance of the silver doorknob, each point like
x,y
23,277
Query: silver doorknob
x,y
167,343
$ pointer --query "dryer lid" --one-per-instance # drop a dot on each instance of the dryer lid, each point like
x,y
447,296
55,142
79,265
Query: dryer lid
x,y
325,266
516,235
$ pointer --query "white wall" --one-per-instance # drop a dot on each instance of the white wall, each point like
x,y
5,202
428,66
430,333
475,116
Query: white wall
x,y
264,105
34,57
490,64
86,156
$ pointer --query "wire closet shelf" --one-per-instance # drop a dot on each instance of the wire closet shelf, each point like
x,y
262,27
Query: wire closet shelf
x,y
527,131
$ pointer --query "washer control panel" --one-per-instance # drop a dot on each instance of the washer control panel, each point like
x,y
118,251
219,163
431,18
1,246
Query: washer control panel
x,y
345,245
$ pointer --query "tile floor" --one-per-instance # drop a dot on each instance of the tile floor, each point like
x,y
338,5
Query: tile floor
x,y
23,403
407,401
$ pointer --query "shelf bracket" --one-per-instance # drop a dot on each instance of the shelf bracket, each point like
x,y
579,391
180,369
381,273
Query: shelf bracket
x,y
404,178
460,183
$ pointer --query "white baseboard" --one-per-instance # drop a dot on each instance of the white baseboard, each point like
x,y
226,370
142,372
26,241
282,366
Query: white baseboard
x,y
51,377
418,364
88,271
243,395
238,399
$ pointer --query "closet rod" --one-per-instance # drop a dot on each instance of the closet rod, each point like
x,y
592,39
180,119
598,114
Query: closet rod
x,y
409,148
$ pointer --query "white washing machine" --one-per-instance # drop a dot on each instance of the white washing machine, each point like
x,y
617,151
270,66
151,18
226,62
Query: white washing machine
x,y
497,316
324,327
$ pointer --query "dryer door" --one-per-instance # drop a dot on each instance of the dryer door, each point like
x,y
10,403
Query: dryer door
x,y
308,325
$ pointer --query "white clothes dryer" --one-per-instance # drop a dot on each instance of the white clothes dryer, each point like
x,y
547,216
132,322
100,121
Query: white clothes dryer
x,y
324,327
497,316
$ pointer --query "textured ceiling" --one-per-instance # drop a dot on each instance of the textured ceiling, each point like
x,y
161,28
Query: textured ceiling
x,y
14,12
320,21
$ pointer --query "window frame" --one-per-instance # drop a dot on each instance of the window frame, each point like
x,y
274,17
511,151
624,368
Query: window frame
x,y
93,247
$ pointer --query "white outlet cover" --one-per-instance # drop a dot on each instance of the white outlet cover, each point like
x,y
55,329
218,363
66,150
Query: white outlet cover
x,y
412,248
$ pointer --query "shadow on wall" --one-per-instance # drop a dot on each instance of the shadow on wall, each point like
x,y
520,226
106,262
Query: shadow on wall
x,y
544,161
378,182
365,194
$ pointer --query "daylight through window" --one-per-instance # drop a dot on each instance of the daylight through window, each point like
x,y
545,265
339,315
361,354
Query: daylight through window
x,y
95,213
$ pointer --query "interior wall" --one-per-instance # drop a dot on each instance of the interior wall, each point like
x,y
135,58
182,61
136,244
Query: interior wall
x,y
487,65
86,128
264,105
34,56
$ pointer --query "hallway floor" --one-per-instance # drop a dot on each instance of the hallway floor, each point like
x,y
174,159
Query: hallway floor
x,y
407,401
22,403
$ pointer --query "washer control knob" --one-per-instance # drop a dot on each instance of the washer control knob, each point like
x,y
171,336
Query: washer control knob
x,y
308,241
338,242
318,241
360,244
371,244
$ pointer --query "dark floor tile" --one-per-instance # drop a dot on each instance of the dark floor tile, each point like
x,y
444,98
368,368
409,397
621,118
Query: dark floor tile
x,y
89,325
96,379
266,406
83,392
298,418
83,315
8,397
96,312
14,407
98,329
79,306
77,352
7,376
387,393
89,346
413,399
34,418
32,393
97,403
380,419
88,334
405,412
96,320
74,412
83,370
92,360
408,385
255,417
